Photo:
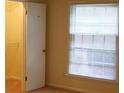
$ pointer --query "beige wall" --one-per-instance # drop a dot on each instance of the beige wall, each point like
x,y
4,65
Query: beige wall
x,y
36,1
39,1
57,49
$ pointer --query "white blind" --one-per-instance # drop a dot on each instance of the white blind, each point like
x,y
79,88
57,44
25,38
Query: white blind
x,y
94,19
93,32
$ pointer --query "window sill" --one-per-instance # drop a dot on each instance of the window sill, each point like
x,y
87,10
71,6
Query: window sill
x,y
92,78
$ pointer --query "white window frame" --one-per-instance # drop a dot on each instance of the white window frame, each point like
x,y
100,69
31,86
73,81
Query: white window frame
x,y
117,49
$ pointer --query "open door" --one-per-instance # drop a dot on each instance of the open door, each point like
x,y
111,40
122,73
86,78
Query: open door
x,y
35,46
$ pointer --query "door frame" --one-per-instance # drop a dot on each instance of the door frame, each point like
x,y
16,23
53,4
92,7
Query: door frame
x,y
23,85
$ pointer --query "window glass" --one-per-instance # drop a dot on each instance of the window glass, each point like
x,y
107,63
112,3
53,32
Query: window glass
x,y
93,32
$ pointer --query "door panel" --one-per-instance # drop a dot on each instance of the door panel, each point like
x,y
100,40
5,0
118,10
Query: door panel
x,y
35,65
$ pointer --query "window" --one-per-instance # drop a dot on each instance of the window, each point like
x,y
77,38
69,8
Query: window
x,y
93,33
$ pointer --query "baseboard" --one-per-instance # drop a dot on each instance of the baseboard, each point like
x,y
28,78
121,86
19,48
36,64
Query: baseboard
x,y
13,77
71,88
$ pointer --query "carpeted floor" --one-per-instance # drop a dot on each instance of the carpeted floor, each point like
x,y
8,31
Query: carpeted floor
x,y
14,86
51,90
45,90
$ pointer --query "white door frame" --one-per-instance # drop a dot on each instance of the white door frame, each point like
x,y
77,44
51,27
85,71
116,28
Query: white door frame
x,y
23,85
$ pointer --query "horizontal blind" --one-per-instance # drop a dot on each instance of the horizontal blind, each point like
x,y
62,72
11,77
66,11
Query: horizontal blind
x,y
94,19
93,31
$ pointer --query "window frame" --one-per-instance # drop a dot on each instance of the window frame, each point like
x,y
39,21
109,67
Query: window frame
x,y
117,46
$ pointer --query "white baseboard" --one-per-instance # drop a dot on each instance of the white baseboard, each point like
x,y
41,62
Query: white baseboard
x,y
71,88
13,77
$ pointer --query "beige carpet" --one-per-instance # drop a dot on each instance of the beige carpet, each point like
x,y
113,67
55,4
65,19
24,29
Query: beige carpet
x,y
14,86
45,90
51,90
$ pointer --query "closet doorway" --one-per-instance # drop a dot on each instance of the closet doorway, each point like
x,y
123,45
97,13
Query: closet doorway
x,y
14,46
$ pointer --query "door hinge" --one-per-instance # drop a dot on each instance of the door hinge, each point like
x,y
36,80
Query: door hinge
x,y
26,12
26,78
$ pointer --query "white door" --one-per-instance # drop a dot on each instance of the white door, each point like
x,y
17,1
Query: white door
x,y
35,45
